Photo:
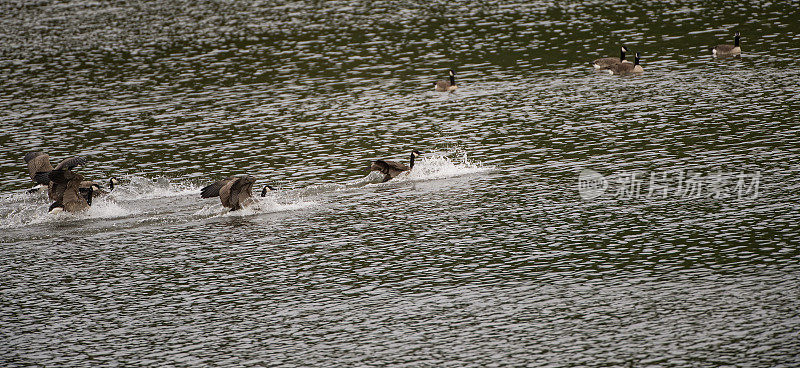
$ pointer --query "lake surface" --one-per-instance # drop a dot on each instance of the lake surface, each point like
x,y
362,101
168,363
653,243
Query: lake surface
x,y
535,231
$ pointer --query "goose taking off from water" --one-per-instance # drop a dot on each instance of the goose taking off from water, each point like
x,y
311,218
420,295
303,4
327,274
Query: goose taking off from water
x,y
39,168
627,68
65,187
605,63
234,192
391,169
727,50
445,85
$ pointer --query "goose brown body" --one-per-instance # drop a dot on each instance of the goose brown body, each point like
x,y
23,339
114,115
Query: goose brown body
x,y
728,50
391,169
627,68
605,63
234,192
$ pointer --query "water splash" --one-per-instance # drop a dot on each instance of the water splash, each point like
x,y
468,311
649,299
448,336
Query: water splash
x,y
37,213
140,187
440,166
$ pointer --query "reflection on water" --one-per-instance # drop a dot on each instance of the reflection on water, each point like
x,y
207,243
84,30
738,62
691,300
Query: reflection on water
x,y
484,255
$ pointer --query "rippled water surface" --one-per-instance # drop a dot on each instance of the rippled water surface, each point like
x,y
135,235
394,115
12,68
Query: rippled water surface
x,y
486,254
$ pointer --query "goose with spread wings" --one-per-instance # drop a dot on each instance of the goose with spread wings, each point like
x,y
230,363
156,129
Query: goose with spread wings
x,y
234,192
65,187
39,169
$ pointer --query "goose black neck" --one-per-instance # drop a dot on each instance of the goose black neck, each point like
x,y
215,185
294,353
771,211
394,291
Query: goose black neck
x,y
636,61
736,41
110,185
89,197
411,163
452,80
622,55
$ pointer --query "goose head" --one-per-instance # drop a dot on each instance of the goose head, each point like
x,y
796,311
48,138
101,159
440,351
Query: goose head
x,y
266,189
414,155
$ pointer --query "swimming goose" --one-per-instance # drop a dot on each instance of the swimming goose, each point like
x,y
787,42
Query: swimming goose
x,y
605,63
234,192
65,191
627,68
726,50
444,85
391,169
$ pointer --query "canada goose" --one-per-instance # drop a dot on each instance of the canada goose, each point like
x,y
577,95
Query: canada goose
x,y
234,192
266,189
444,85
66,192
39,169
627,68
605,63
391,169
726,50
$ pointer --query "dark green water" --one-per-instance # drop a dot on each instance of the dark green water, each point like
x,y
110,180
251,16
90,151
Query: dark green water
x,y
485,255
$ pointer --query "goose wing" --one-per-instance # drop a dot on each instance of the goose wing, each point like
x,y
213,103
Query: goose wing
x,y
229,193
390,169
394,165
62,176
237,192
38,163
31,155
71,163
213,190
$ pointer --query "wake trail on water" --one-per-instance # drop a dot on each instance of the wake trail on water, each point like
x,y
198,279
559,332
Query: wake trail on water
x,y
261,206
435,166
37,213
161,199
22,208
